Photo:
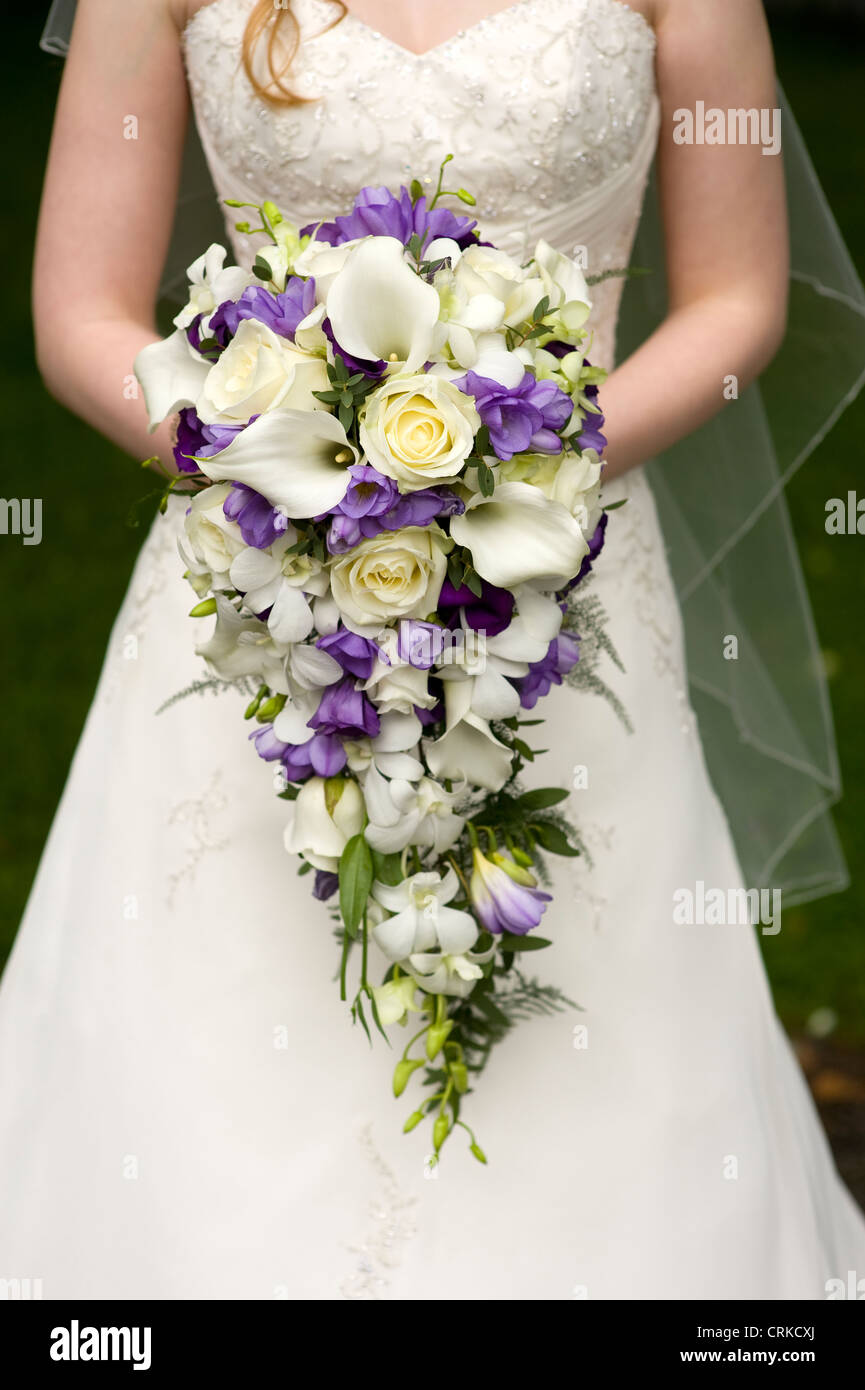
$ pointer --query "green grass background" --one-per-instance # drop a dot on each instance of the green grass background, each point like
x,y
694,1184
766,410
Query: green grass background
x,y
59,599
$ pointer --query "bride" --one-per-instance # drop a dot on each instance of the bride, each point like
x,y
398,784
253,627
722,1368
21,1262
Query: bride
x,y
186,1112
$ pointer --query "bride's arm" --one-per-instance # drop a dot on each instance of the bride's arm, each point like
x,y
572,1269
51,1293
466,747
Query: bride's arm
x,y
725,231
107,209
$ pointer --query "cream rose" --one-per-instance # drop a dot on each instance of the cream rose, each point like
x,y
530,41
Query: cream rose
x,y
483,270
419,430
397,574
257,372
213,540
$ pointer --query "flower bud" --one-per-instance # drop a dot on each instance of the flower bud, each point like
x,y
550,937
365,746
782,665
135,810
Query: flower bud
x,y
204,609
412,1122
268,711
403,1073
478,1153
441,1129
459,1072
437,1036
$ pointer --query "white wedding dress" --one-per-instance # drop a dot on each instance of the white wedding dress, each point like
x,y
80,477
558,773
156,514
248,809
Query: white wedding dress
x,y
186,1109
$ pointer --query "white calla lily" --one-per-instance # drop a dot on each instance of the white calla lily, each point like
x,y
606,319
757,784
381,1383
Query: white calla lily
x,y
326,814
380,309
519,535
392,751
272,579
297,459
468,750
172,375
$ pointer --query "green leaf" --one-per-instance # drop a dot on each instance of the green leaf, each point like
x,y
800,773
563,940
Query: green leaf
x,y
486,479
543,797
541,307
614,506
523,943
472,581
415,188
524,750
290,794
387,868
355,881
554,840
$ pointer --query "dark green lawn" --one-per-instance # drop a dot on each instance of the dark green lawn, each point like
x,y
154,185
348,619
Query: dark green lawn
x,y
60,597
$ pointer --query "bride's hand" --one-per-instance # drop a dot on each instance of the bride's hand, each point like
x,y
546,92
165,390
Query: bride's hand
x,y
107,211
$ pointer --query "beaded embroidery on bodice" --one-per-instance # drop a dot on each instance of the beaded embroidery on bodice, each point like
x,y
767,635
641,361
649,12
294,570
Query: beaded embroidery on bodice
x,y
549,108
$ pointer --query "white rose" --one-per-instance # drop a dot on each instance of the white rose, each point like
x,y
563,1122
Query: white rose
x,y
214,540
419,430
397,574
482,270
257,372
328,812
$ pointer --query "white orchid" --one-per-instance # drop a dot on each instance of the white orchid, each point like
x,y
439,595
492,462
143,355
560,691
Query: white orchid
x,y
393,751
297,459
323,262
242,646
409,813
328,812
397,685
506,657
281,582
422,921
211,285
380,309
395,999
439,973
518,535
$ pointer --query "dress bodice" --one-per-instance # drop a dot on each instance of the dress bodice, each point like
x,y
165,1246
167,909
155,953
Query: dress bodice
x,y
549,108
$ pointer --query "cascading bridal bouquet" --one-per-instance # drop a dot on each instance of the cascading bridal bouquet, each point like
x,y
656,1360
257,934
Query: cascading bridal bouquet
x,y
390,437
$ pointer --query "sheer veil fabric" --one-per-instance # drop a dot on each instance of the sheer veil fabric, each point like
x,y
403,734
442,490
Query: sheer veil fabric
x,y
765,717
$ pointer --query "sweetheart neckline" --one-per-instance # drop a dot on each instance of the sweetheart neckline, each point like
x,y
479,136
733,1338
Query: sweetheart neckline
x,y
437,49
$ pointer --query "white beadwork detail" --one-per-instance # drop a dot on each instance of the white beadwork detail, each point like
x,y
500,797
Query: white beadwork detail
x,y
194,817
392,1223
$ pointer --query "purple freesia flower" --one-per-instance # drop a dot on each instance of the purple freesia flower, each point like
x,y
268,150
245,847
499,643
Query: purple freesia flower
x,y
520,418
505,896
322,754
281,312
420,644
562,655
596,545
196,438
368,494
343,709
355,654
490,613
409,509
260,523
325,885
379,212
